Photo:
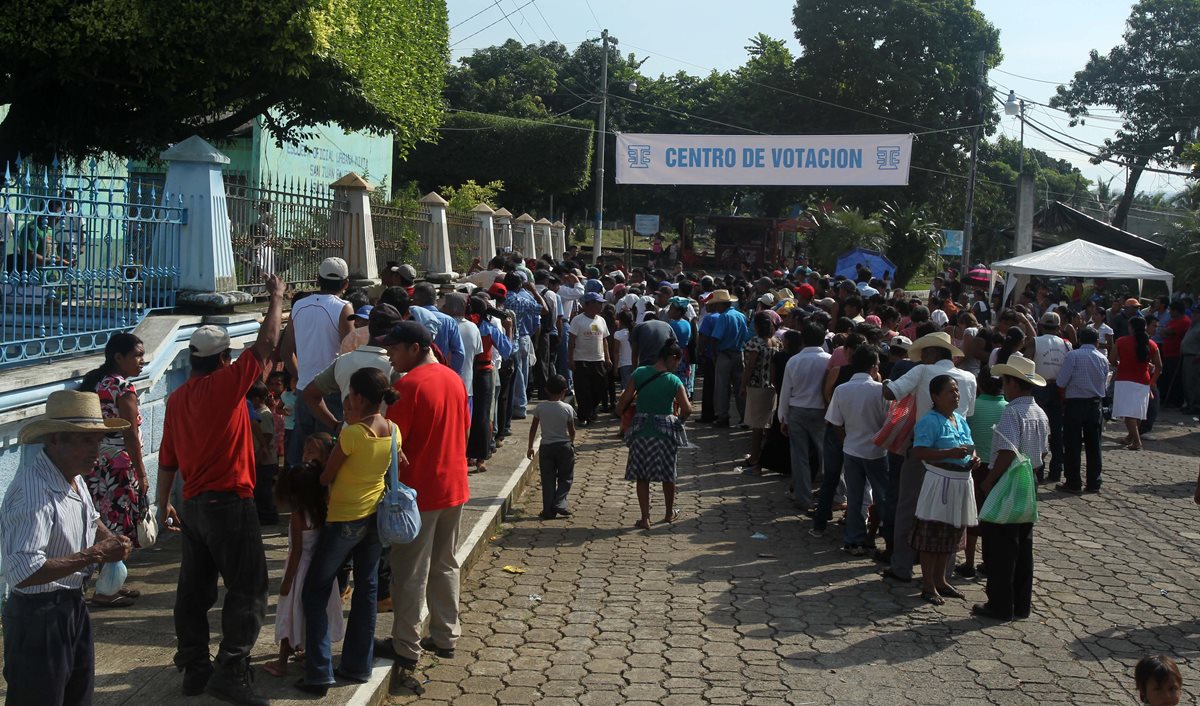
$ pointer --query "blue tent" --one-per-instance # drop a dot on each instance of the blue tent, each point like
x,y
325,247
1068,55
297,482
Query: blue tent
x,y
871,258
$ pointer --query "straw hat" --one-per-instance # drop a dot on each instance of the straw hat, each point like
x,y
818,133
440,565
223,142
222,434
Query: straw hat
x,y
69,411
940,339
721,296
1020,368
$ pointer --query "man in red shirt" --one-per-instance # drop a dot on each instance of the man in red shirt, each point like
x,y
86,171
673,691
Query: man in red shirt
x,y
207,440
432,416
1171,387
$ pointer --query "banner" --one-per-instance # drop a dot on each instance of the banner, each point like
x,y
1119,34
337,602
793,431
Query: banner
x,y
644,224
952,243
770,160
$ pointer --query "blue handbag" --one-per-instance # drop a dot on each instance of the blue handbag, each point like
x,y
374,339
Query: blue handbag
x,y
398,516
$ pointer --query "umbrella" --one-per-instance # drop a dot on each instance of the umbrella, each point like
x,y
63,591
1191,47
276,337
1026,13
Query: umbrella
x,y
980,274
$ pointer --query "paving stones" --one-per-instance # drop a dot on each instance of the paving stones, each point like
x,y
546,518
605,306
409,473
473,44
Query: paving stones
x,y
696,612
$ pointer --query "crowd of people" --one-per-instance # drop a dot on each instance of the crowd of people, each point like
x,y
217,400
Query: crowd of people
x,y
917,413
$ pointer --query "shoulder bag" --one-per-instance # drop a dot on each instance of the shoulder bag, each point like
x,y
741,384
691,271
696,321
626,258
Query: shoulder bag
x,y
627,415
397,514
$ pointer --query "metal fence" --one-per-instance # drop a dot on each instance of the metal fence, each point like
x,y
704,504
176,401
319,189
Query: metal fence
x,y
401,235
463,232
282,227
85,255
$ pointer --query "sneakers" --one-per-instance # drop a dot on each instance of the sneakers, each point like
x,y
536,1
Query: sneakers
x,y
235,684
814,532
196,678
404,681
854,549
443,652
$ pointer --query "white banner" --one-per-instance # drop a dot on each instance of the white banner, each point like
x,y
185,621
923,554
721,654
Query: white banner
x,y
775,160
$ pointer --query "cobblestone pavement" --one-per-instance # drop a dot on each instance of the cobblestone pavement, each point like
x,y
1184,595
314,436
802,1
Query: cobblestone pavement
x,y
698,612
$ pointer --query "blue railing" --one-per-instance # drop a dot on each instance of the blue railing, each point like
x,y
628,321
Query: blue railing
x,y
85,255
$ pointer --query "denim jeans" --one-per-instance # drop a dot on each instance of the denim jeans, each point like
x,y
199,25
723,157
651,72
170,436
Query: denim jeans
x,y
221,537
307,424
806,429
832,459
727,371
357,540
859,472
521,377
1048,399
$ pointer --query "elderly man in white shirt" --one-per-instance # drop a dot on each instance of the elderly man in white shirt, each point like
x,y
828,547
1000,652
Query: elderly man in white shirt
x,y
802,410
936,354
52,539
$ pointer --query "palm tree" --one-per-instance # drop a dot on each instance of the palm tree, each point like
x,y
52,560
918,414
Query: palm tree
x,y
840,230
913,240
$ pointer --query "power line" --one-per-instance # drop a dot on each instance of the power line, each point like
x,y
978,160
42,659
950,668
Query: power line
x,y
510,22
593,12
477,14
1132,83
552,32
687,115
524,120
487,27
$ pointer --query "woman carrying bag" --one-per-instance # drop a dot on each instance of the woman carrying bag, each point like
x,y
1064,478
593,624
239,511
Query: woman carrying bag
x,y
1019,445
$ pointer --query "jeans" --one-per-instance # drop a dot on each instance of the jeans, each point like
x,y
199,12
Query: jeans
x,y
888,517
859,472
1051,403
221,537
426,571
357,540
557,465
521,377
1081,431
560,361
590,388
508,374
806,428
49,657
307,424
1009,569
832,458
727,371
626,371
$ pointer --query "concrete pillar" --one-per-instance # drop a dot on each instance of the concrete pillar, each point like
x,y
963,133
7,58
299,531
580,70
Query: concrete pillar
x,y
560,239
504,230
523,241
437,250
206,272
484,216
545,242
1024,240
353,227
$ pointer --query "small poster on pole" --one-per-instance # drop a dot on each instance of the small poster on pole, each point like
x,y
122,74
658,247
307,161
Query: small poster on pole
x,y
952,243
644,224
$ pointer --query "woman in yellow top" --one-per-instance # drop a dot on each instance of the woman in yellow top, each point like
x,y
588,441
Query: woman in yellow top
x,y
356,471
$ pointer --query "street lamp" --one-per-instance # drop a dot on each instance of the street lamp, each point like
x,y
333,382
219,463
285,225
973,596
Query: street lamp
x,y
598,233
1016,106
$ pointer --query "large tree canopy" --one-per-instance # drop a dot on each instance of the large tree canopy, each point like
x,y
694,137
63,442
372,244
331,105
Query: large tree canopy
x,y
1153,80
83,77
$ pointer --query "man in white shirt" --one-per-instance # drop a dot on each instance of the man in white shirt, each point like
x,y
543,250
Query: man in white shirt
x,y
587,355
1048,351
857,411
802,410
335,379
936,354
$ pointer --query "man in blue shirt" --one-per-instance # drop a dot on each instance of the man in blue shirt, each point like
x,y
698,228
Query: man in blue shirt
x,y
1082,378
444,328
528,307
729,334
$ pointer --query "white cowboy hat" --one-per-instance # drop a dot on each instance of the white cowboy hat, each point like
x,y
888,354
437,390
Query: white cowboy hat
x,y
69,411
932,340
1020,368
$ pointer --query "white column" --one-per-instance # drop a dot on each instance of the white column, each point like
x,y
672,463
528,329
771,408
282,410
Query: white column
x,y
487,234
545,243
523,241
437,249
504,234
354,228
559,239
206,273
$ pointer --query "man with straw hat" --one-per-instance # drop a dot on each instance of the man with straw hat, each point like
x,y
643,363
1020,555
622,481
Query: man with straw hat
x,y
1025,429
207,440
52,539
729,332
935,354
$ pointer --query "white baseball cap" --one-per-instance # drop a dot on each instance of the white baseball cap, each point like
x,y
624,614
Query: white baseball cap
x,y
208,341
333,268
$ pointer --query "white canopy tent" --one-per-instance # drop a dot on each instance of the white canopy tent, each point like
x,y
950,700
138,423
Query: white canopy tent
x,y
1079,258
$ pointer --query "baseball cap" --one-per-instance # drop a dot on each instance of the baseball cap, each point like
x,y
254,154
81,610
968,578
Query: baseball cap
x,y
208,340
901,342
1133,302
333,268
383,318
593,272
592,297
768,299
1051,320
498,290
406,332
408,272
364,313
806,291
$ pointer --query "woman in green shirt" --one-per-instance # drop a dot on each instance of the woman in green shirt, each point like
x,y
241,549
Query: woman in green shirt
x,y
656,433
989,405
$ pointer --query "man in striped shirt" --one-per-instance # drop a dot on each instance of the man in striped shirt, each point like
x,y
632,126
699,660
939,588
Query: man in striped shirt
x,y
52,539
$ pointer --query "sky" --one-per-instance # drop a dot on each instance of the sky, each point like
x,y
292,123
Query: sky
x,y
1044,41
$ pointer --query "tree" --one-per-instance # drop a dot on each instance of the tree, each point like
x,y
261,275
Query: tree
x,y
468,195
840,230
912,239
1153,81
83,77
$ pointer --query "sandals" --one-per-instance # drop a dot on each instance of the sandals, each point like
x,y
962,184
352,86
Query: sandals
x,y
951,592
117,601
1131,447
130,593
642,524
932,598
674,515
274,669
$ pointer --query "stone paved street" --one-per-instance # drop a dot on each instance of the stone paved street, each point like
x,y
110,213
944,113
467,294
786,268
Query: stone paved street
x,y
700,613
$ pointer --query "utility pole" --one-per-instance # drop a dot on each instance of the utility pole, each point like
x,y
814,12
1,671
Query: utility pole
x,y
969,218
598,233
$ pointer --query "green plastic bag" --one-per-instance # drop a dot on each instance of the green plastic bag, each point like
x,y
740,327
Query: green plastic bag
x,y
1013,500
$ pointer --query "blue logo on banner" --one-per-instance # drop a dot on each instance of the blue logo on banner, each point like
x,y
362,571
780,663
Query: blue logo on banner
x,y
888,158
639,156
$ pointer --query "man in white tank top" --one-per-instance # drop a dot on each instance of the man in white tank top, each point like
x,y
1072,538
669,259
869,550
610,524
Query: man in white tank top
x,y
312,340
1048,351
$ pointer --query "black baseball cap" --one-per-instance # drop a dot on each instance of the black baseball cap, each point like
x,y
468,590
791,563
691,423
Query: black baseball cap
x,y
406,332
